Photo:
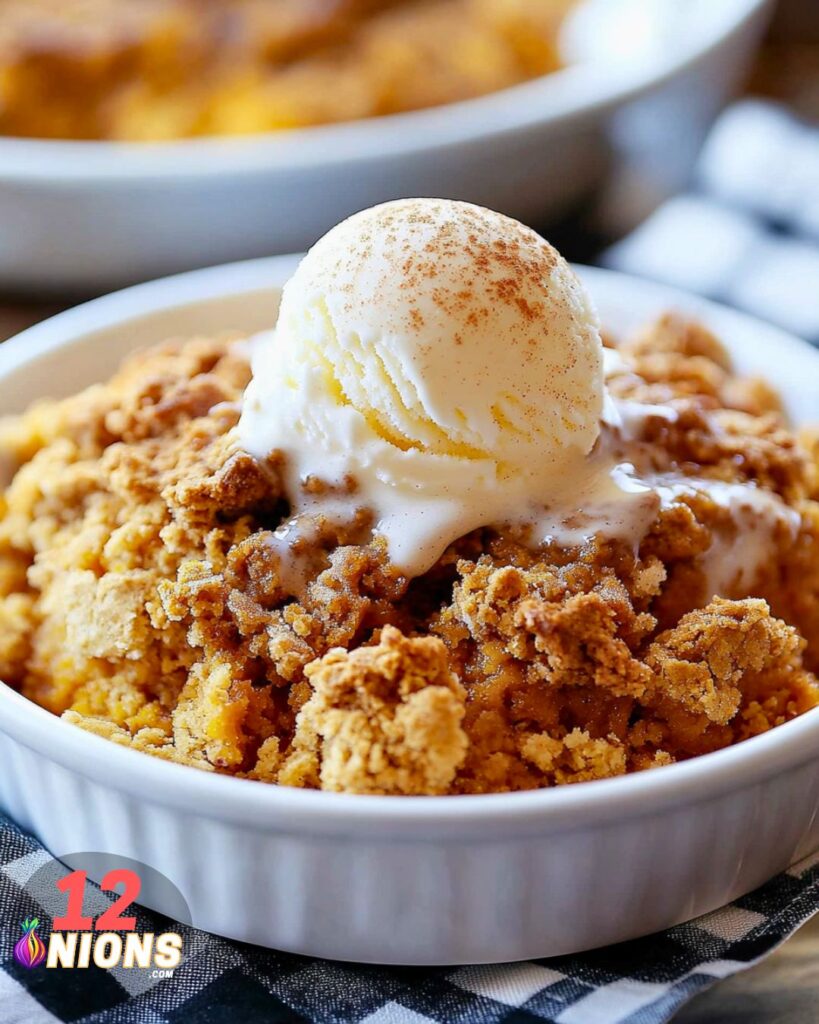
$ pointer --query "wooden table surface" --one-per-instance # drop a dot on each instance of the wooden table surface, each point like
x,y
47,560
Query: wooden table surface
x,y
784,989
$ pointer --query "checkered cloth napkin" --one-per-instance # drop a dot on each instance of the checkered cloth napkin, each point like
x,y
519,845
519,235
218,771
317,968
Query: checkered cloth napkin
x,y
748,232
221,982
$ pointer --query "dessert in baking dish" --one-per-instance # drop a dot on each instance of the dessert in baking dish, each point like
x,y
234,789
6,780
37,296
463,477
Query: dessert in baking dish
x,y
165,69
441,538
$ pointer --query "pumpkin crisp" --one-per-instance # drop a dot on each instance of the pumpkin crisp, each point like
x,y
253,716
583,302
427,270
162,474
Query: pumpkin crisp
x,y
151,70
143,594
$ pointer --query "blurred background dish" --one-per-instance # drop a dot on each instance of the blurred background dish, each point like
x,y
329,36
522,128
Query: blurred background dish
x,y
83,213
154,70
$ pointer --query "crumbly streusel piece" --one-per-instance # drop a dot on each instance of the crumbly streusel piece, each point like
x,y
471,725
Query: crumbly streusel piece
x,y
572,689
153,740
383,719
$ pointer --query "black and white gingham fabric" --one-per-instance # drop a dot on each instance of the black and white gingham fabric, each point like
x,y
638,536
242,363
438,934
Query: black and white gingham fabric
x,y
748,233
221,982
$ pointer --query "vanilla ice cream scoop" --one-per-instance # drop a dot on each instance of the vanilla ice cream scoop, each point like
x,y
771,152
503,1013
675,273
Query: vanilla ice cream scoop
x,y
443,357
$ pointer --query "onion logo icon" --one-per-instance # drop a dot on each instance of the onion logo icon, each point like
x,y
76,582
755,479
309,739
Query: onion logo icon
x,y
30,950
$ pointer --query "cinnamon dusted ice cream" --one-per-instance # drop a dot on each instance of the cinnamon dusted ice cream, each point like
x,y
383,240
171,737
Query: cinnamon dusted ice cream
x,y
441,542
444,358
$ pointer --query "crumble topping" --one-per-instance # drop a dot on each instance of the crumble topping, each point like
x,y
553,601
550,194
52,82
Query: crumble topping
x,y
147,593
382,719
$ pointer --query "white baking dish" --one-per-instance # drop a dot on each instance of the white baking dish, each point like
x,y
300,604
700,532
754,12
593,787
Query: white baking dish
x,y
91,215
410,880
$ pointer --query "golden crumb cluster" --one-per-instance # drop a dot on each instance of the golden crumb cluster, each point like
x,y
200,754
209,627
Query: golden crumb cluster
x,y
166,69
144,596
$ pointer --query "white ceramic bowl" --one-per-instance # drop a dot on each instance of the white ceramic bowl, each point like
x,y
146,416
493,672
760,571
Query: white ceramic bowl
x,y
409,880
90,215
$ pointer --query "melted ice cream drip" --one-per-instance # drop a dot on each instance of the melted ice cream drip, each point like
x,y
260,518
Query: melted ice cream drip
x,y
611,498
737,554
